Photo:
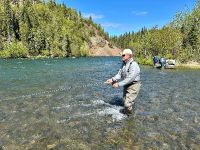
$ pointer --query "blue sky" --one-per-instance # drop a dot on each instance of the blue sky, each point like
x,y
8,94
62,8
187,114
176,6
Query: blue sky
x,y
120,16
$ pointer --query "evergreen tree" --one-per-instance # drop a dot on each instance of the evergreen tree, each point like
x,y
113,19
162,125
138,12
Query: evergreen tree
x,y
66,45
8,21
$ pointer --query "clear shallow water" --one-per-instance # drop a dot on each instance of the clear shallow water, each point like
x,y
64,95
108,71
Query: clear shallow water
x,y
64,104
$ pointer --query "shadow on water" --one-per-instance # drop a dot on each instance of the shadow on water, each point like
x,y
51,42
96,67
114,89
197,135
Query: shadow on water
x,y
116,101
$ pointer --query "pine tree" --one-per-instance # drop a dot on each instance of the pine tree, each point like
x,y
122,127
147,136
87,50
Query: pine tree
x,y
66,45
193,36
8,21
1,43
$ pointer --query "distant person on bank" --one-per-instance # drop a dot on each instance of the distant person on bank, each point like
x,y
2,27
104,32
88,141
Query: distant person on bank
x,y
128,77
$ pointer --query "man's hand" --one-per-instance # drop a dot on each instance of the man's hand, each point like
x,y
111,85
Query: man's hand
x,y
115,85
109,81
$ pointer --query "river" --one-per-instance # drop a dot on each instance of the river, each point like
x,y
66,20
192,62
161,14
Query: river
x,y
64,104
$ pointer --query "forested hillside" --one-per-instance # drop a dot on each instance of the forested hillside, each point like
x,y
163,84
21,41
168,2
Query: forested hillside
x,y
180,39
34,27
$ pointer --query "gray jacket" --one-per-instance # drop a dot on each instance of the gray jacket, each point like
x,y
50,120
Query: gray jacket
x,y
129,73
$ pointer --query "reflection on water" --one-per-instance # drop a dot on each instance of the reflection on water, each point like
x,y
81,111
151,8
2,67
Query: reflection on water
x,y
64,104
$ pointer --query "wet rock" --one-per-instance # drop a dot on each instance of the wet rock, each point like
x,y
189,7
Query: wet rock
x,y
25,142
2,148
1,145
152,118
138,147
73,123
165,146
38,115
179,119
32,142
195,146
169,110
50,146
156,118
195,120
153,134
109,121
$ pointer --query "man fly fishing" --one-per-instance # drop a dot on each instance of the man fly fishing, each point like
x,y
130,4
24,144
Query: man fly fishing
x,y
128,77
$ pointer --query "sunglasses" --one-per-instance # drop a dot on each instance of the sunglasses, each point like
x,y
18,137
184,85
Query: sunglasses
x,y
123,55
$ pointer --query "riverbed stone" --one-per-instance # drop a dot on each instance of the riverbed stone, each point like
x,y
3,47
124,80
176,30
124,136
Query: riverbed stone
x,y
51,146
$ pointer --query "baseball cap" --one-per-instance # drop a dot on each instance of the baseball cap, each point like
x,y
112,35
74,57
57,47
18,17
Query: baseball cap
x,y
127,51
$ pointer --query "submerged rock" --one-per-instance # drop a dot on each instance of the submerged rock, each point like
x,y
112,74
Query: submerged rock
x,y
50,146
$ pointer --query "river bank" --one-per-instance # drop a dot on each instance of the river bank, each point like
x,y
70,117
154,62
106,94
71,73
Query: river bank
x,y
191,64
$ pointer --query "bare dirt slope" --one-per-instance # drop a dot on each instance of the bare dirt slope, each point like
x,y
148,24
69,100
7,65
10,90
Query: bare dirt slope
x,y
101,47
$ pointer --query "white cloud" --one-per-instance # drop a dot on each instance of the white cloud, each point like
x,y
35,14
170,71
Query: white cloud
x,y
110,25
94,16
141,13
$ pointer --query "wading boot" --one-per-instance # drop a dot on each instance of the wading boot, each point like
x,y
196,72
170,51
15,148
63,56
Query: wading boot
x,y
126,111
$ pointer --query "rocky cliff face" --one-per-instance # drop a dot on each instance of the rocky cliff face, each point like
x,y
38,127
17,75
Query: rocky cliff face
x,y
101,47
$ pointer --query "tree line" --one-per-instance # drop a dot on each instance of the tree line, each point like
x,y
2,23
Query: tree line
x,y
180,39
34,27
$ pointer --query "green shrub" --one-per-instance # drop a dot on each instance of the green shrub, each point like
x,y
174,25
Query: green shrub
x,y
148,61
75,49
144,61
4,54
84,49
14,50
169,56
45,53
58,53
